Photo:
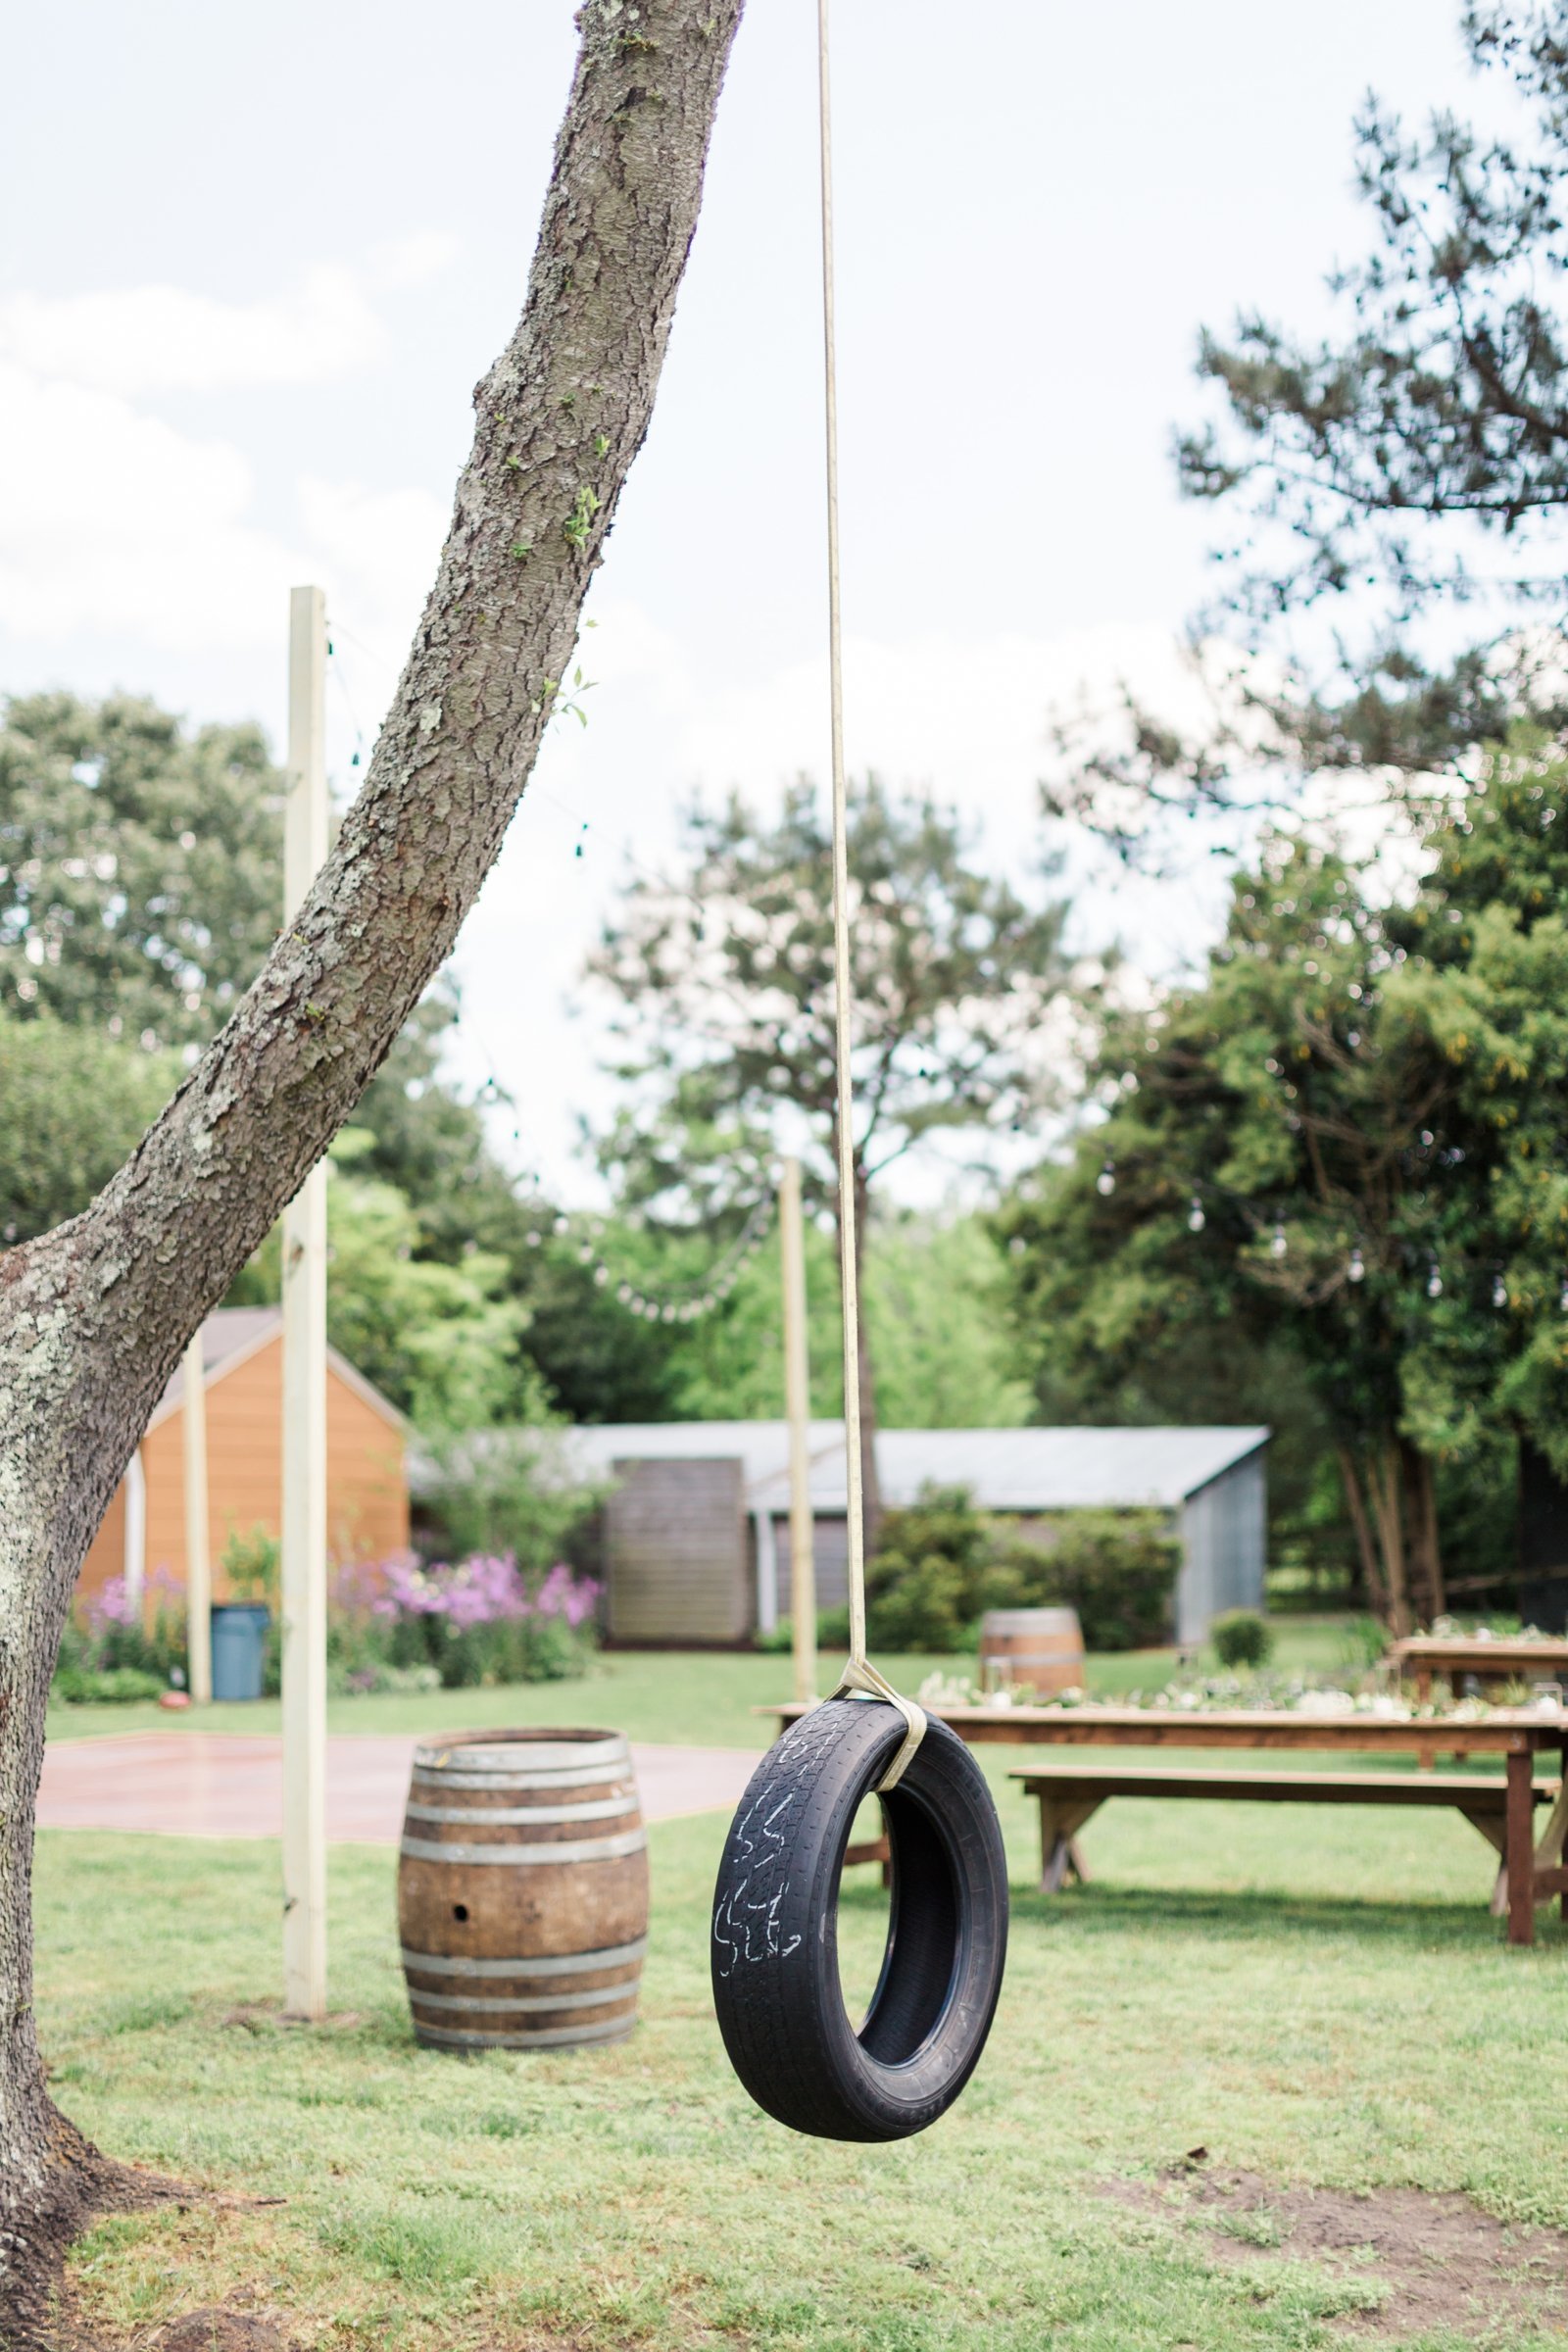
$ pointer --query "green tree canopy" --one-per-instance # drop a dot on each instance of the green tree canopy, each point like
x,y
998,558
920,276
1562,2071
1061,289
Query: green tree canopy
x,y
725,974
1392,491
139,865
1269,1166
72,1103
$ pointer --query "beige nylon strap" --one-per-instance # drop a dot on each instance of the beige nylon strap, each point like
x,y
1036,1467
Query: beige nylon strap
x,y
858,1675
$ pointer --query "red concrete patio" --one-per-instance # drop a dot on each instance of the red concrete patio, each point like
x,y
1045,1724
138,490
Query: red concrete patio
x,y
230,1785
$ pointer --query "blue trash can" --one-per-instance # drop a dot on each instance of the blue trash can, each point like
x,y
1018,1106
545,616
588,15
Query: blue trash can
x,y
239,1648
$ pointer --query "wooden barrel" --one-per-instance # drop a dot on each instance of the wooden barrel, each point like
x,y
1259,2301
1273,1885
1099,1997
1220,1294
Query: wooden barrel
x,y
522,1891
1031,1649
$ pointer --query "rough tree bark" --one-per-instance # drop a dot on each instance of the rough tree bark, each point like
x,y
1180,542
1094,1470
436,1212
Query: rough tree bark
x,y
93,1316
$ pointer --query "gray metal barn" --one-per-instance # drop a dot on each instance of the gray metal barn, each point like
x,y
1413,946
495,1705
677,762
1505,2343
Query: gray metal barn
x,y
696,1531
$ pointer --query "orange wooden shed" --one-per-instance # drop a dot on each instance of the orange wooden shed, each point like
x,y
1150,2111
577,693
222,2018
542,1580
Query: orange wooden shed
x,y
242,1355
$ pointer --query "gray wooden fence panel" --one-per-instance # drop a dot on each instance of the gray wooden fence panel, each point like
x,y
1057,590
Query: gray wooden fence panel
x,y
675,1551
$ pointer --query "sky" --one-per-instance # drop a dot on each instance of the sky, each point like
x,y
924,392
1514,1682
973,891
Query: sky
x,y
252,263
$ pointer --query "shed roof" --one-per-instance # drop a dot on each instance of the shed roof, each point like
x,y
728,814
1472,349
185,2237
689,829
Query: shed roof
x,y
1004,1469
232,1335
762,1447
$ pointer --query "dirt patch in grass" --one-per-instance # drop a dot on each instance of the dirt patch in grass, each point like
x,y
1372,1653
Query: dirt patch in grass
x,y
81,2185
1426,2263
215,2331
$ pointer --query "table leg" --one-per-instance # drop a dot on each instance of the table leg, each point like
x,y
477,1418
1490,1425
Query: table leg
x,y
1060,1820
1520,1854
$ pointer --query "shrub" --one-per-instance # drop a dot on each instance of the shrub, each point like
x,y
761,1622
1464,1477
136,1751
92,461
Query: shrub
x,y
832,1632
1117,1569
123,1646
508,1491
252,1565
933,1572
110,1686
1240,1638
474,1622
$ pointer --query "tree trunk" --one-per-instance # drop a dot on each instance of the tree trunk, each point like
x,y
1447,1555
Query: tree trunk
x,y
1387,1499
1365,1541
1421,1505
94,1316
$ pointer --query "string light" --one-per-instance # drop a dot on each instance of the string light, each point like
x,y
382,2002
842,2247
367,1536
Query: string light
x,y
1357,1269
664,1308
1500,1290
1195,1219
1279,1245
1105,1181
1434,1281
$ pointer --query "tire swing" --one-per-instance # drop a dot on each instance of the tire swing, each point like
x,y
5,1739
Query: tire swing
x,y
775,1916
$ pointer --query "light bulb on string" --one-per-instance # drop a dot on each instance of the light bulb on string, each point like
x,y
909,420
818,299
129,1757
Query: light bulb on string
x,y
1105,1181
601,1276
1195,1219
1563,1298
1357,1269
562,1224
1279,1245
1434,1282
1500,1290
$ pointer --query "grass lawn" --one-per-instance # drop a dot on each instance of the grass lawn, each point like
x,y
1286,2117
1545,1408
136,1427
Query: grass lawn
x,y
1316,1998
699,1698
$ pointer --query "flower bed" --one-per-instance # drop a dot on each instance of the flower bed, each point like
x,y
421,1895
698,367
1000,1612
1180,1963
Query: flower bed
x,y
123,1646
1303,1695
399,1624
392,1625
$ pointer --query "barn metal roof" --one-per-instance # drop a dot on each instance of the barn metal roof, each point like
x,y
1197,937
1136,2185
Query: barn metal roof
x,y
761,1446
1004,1469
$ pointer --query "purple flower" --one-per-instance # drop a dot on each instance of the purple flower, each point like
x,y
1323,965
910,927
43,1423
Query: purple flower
x,y
485,1588
563,1594
114,1604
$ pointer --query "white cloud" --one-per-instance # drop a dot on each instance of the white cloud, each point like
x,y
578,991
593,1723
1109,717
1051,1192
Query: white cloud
x,y
376,550
111,520
140,339
413,261
115,521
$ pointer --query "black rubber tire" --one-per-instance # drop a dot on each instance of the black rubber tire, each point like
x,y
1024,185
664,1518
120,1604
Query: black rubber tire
x,y
775,1928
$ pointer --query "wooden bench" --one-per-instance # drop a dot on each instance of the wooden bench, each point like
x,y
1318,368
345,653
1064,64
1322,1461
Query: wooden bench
x,y
1517,1737
1070,1792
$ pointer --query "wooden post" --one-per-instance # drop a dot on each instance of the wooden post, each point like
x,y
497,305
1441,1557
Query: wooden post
x,y
198,1531
135,1561
304,1531
797,1406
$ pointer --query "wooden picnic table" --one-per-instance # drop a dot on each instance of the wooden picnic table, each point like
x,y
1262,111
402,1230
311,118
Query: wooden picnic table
x,y
1517,1735
1420,1657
